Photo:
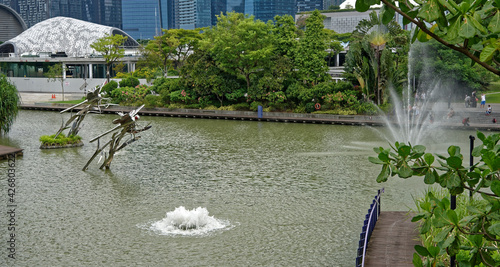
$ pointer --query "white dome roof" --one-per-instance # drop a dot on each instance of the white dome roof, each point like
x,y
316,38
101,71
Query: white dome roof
x,y
62,34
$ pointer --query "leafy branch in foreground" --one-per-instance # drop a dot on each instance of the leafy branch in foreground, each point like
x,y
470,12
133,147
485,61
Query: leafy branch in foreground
x,y
476,233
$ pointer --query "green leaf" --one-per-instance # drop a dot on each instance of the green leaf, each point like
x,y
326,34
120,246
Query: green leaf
x,y
476,152
453,181
375,160
426,226
442,235
488,53
481,136
404,151
421,250
494,25
448,241
492,160
387,14
453,151
362,5
433,251
429,11
454,28
405,171
429,177
467,30
384,174
417,218
429,158
419,149
474,210
454,162
448,6
452,215
383,156
495,187
417,261
478,25
495,229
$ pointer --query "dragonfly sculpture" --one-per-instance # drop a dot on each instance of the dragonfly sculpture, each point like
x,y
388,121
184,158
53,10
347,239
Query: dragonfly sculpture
x,y
93,103
126,126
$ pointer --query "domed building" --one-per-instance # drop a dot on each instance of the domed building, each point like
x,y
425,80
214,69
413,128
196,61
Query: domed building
x,y
61,40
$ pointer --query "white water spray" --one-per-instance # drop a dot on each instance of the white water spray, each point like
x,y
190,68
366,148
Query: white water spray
x,y
185,222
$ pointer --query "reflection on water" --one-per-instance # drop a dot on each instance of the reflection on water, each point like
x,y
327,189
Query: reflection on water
x,y
293,194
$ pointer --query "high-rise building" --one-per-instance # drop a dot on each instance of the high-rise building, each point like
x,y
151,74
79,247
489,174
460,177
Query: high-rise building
x,y
142,19
309,5
104,12
267,9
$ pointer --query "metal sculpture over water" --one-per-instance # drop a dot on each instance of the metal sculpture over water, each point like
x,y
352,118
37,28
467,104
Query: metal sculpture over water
x,y
126,125
93,102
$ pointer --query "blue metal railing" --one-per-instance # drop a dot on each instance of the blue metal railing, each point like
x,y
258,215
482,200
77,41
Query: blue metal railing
x,y
369,224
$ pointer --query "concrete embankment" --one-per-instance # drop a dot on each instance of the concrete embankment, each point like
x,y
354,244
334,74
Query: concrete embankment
x,y
477,121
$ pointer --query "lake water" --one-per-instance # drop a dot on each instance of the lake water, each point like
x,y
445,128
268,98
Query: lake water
x,y
276,194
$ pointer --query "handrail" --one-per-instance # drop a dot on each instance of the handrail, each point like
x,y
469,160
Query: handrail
x,y
369,224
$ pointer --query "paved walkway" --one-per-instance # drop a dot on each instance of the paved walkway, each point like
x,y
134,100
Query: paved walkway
x,y
392,241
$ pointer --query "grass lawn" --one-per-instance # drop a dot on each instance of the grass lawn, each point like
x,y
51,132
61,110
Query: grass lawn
x,y
493,94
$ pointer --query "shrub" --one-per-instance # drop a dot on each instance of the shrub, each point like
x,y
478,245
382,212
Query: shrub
x,y
60,140
129,82
241,106
151,101
255,105
109,87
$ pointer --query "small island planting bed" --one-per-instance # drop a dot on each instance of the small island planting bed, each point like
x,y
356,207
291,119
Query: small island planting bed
x,y
61,141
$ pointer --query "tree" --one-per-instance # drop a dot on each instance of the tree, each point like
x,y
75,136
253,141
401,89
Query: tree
x,y
310,58
471,28
371,58
240,44
449,66
9,101
474,234
111,48
56,73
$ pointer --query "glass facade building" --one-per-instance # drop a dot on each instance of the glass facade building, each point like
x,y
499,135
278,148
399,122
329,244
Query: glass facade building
x,y
104,12
141,19
309,5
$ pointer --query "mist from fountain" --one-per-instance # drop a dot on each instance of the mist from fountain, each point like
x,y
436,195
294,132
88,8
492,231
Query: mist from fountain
x,y
415,117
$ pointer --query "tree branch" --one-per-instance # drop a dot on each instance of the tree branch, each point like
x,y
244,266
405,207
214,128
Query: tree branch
x,y
462,50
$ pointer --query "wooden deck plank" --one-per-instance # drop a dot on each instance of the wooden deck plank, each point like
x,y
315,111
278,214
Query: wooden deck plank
x,y
392,241
7,150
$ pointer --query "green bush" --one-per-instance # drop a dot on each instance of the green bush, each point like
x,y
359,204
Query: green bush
x,y
367,108
241,106
60,140
129,82
255,105
109,87
151,101
310,107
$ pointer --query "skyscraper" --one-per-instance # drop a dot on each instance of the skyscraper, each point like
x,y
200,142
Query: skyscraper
x,y
105,12
267,9
142,19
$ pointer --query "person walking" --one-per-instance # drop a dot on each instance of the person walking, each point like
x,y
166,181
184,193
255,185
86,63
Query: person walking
x,y
483,100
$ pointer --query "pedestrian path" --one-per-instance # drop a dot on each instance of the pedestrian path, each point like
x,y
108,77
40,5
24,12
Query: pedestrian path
x,y
393,240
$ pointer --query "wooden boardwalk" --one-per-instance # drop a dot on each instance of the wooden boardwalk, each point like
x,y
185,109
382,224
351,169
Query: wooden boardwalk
x,y
7,150
392,241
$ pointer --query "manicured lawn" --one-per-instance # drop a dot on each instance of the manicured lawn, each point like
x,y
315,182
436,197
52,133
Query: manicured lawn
x,y
493,97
